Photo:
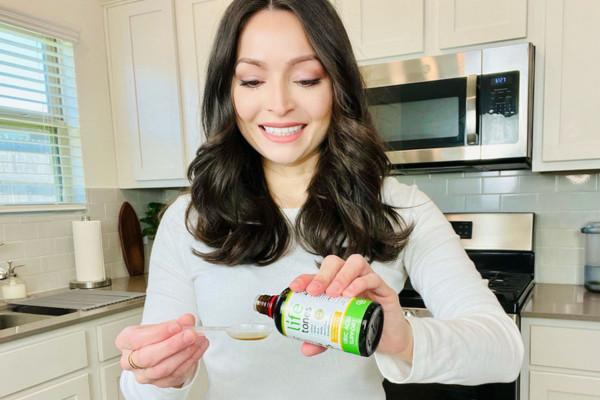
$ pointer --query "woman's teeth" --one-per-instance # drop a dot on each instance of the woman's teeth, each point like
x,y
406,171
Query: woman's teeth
x,y
283,131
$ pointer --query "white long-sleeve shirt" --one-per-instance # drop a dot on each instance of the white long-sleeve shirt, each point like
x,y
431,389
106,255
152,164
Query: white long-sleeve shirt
x,y
469,340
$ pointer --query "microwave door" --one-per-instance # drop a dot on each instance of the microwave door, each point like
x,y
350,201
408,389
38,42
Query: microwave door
x,y
425,122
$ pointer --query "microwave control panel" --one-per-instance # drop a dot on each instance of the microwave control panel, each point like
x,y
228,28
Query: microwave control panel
x,y
499,93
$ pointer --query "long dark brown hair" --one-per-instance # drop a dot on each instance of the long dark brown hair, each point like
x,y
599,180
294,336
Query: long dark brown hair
x,y
344,212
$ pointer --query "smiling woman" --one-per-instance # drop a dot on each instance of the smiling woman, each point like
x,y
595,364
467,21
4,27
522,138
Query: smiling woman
x,y
287,127
290,189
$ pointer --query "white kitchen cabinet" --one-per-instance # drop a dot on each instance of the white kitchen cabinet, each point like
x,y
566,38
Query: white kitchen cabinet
x,y
383,28
75,362
562,359
76,388
552,386
568,138
469,22
40,359
144,89
110,375
197,23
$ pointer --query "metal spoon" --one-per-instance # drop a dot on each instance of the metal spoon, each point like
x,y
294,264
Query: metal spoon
x,y
240,331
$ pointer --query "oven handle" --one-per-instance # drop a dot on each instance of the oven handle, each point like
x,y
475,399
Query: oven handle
x,y
471,134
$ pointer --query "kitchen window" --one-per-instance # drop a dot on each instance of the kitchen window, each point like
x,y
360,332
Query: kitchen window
x,y
40,146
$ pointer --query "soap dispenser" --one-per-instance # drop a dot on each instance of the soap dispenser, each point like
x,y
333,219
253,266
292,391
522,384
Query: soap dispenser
x,y
14,287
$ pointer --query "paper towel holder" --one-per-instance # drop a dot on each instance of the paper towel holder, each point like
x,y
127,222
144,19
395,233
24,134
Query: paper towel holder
x,y
75,284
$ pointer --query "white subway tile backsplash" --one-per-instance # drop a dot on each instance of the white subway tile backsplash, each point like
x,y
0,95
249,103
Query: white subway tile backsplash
x,y
562,204
464,186
569,201
20,231
504,184
537,183
451,203
577,183
56,228
483,203
40,247
519,202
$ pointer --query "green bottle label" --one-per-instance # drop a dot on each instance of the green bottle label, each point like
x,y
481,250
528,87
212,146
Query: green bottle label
x,y
333,322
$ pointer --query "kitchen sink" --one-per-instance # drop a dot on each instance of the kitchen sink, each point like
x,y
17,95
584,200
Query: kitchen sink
x,y
11,319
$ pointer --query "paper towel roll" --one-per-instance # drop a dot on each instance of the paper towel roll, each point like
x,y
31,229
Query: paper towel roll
x,y
89,258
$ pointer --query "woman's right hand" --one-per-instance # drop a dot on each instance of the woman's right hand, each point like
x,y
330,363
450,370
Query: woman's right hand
x,y
165,354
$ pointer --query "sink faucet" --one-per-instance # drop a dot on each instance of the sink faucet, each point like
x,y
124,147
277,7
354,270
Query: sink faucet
x,y
10,272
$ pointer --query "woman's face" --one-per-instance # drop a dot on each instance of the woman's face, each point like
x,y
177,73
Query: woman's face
x,y
281,92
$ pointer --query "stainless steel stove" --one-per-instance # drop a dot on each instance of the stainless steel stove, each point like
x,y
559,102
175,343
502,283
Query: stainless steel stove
x,y
501,247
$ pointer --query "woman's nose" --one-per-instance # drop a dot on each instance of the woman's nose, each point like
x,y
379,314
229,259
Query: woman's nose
x,y
279,100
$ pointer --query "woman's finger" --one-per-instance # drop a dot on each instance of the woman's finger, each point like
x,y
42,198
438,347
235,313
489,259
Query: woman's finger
x,y
329,269
371,281
354,267
309,349
183,371
169,365
151,355
301,282
134,337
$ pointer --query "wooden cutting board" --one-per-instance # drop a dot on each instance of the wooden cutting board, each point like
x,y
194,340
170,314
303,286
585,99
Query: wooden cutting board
x,y
130,235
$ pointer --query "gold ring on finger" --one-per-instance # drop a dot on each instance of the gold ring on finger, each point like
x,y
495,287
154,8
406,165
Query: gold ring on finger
x,y
130,360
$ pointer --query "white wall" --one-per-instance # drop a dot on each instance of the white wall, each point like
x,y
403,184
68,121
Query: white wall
x,y
86,17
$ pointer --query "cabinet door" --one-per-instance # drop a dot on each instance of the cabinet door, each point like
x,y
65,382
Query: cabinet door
x,y
77,388
383,28
110,375
555,386
467,22
142,52
571,95
197,23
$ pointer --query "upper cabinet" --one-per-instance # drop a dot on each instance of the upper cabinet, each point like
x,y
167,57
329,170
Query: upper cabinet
x,y
383,28
158,52
568,138
468,22
144,88
197,24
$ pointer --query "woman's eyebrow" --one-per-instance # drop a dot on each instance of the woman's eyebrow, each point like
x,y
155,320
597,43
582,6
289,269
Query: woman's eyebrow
x,y
261,64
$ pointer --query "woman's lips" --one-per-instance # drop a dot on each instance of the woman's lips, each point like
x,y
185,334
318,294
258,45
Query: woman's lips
x,y
282,138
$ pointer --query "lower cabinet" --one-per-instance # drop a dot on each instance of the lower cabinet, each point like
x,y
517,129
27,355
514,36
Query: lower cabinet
x,y
109,381
76,388
554,386
562,359
77,362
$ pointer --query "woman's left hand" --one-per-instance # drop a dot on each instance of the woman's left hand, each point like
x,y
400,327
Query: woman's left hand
x,y
355,277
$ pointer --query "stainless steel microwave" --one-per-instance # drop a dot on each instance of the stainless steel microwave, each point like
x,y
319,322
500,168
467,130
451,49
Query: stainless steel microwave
x,y
470,110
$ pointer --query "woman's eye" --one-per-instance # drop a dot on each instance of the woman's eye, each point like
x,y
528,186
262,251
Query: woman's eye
x,y
309,82
251,83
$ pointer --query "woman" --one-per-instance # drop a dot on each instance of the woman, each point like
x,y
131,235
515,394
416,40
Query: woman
x,y
289,190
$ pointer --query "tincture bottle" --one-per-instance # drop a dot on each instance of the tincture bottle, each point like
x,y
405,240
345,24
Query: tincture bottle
x,y
352,325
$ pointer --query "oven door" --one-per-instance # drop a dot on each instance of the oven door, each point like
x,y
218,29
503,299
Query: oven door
x,y
436,391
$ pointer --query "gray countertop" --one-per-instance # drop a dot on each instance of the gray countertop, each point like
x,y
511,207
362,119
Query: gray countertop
x,y
129,284
562,302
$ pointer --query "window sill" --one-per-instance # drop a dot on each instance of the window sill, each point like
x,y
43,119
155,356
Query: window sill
x,y
4,209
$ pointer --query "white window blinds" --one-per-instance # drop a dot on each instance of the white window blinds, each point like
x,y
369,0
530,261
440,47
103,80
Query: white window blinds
x,y
40,146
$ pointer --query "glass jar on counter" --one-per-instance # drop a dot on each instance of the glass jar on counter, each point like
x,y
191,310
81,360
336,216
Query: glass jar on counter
x,y
592,256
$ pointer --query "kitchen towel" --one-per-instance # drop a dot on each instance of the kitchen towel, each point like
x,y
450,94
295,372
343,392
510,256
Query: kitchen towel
x,y
89,258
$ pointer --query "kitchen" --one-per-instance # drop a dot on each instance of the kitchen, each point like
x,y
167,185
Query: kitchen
x,y
120,126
